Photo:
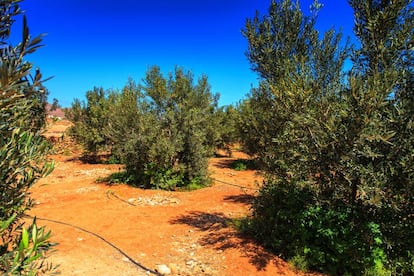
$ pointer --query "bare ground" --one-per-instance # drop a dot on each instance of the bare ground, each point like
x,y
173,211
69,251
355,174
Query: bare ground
x,y
104,229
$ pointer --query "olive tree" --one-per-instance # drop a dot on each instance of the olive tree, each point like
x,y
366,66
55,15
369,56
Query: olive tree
x,y
22,149
172,129
90,119
336,145
163,130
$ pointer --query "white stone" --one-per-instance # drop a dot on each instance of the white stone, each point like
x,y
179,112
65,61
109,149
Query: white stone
x,y
163,269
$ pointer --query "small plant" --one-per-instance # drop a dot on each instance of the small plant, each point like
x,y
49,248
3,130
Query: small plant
x,y
113,160
300,262
122,177
243,164
378,257
195,184
239,165
242,224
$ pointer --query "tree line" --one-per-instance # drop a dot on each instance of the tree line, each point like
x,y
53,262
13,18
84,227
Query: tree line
x,y
335,144
163,130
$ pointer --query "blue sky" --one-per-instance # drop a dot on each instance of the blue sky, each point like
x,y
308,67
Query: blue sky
x,y
104,42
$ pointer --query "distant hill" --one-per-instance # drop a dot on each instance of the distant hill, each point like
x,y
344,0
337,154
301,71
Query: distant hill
x,y
58,113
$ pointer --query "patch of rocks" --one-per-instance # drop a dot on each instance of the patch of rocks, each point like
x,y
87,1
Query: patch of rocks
x,y
93,172
190,267
191,258
155,200
87,189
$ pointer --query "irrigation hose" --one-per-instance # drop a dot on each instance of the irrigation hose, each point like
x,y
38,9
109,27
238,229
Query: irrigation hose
x,y
235,185
112,193
102,239
129,203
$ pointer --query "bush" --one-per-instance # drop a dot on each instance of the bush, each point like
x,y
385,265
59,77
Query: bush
x,y
243,164
239,165
337,240
121,177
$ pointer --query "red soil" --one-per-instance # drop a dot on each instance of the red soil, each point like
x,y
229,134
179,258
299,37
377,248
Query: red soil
x,y
189,232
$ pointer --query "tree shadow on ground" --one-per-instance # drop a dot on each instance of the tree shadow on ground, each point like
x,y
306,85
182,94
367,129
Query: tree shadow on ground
x,y
220,234
93,159
224,163
245,199
239,164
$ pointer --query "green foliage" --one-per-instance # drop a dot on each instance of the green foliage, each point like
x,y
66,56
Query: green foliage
x,y
18,170
243,164
239,165
174,130
384,64
299,262
337,151
27,259
337,240
166,179
113,160
227,126
22,150
128,112
195,184
55,105
90,121
121,177
163,131
276,212
296,69
15,81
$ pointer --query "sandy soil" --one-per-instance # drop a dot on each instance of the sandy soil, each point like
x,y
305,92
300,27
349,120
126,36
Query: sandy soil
x,y
104,229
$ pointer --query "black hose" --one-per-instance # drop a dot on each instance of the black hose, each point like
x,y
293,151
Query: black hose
x,y
102,239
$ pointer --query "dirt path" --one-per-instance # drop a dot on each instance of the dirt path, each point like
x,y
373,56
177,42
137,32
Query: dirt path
x,y
102,229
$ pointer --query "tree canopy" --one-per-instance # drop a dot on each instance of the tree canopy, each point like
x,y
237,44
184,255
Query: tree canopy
x,y
336,145
163,130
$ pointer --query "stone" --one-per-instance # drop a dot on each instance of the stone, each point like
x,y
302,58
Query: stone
x,y
125,259
163,269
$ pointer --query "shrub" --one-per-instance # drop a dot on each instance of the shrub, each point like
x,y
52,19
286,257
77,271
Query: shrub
x,y
243,164
239,165
337,240
121,177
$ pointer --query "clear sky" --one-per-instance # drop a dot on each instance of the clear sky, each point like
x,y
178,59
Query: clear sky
x,y
104,42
